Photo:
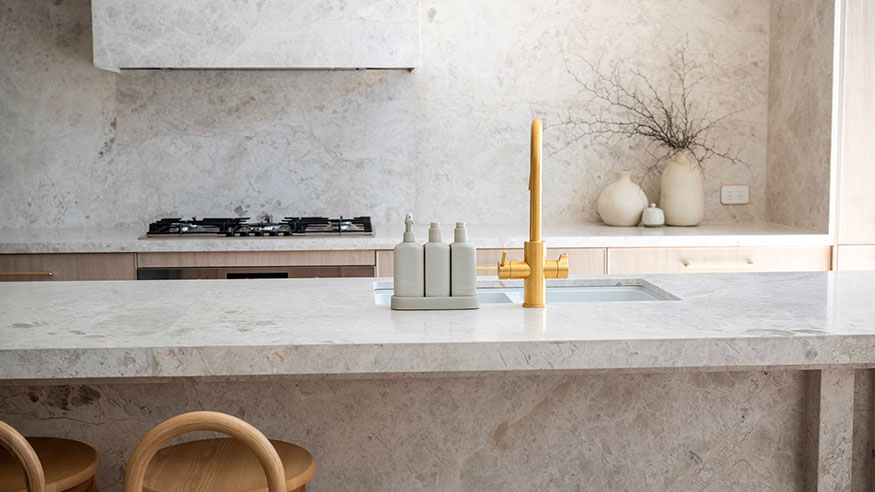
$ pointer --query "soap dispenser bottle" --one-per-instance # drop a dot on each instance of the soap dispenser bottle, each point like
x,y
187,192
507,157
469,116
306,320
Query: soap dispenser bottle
x,y
463,257
437,264
409,264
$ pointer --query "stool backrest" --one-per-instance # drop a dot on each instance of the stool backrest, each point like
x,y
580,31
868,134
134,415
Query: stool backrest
x,y
205,421
34,475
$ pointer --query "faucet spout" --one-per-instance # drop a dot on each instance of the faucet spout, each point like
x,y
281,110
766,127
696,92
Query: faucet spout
x,y
535,269
535,183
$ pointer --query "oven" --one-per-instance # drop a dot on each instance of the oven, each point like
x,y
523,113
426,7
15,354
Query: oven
x,y
189,273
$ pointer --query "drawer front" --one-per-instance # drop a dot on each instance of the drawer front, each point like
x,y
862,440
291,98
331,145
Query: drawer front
x,y
581,261
91,266
256,259
385,263
704,260
856,257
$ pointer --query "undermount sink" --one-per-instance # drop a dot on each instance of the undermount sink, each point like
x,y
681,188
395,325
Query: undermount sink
x,y
572,290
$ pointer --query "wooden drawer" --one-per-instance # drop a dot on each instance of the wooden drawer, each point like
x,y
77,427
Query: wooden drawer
x,y
90,266
702,260
856,257
385,263
255,259
581,261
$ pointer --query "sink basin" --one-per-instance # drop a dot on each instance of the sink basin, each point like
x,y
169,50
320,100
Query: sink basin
x,y
574,290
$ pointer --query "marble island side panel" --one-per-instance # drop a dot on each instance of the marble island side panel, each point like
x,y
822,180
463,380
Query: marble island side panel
x,y
657,432
705,431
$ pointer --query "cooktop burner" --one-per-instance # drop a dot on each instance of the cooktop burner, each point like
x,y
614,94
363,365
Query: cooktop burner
x,y
241,227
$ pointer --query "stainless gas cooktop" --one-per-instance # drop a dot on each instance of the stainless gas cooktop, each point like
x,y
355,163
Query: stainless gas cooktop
x,y
243,227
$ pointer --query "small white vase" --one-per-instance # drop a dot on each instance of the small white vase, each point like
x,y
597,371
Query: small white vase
x,y
682,191
652,216
622,202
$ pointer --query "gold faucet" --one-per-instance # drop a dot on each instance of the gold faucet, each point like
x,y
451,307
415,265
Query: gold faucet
x,y
534,268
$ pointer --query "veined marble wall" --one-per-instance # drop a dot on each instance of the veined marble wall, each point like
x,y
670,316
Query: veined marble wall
x,y
800,120
57,119
667,432
262,34
80,146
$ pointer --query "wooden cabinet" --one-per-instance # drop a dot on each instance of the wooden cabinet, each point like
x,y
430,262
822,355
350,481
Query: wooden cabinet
x,y
631,261
581,261
856,171
856,257
385,266
701,260
79,266
856,200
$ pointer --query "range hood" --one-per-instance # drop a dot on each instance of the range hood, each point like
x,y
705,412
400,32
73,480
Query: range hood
x,y
256,34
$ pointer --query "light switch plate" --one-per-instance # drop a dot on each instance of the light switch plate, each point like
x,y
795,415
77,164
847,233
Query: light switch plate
x,y
734,194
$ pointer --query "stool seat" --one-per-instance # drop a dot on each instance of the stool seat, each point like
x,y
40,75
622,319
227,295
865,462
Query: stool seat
x,y
223,465
67,464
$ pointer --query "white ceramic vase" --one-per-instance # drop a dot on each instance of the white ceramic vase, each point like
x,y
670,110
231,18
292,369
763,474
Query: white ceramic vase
x,y
622,202
682,191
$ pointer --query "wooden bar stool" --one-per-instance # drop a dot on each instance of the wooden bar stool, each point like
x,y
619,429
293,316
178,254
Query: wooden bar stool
x,y
45,464
246,462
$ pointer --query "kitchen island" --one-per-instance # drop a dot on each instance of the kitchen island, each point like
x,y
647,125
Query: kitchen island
x,y
739,382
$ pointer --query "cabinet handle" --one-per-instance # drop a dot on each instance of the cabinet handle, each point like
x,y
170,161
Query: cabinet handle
x,y
27,274
749,264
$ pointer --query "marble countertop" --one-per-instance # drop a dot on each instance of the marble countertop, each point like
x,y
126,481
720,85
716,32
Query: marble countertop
x,y
155,329
127,239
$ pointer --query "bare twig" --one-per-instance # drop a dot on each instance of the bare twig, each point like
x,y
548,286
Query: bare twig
x,y
634,108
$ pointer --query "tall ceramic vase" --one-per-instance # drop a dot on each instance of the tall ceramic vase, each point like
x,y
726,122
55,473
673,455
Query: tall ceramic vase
x,y
682,191
622,202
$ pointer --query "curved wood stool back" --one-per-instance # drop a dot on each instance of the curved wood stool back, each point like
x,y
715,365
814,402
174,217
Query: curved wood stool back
x,y
185,466
49,464
34,477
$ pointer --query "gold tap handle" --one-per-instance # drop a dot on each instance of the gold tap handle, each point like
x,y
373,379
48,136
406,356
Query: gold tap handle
x,y
500,264
557,268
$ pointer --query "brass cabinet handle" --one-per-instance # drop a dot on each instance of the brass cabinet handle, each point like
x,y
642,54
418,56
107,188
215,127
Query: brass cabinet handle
x,y
749,264
27,274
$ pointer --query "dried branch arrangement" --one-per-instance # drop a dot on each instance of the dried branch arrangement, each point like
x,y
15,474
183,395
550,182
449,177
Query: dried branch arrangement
x,y
625,103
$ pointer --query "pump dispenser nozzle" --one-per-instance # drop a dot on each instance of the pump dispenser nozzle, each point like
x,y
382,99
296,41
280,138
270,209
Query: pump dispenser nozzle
x,y
409,262
408,228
